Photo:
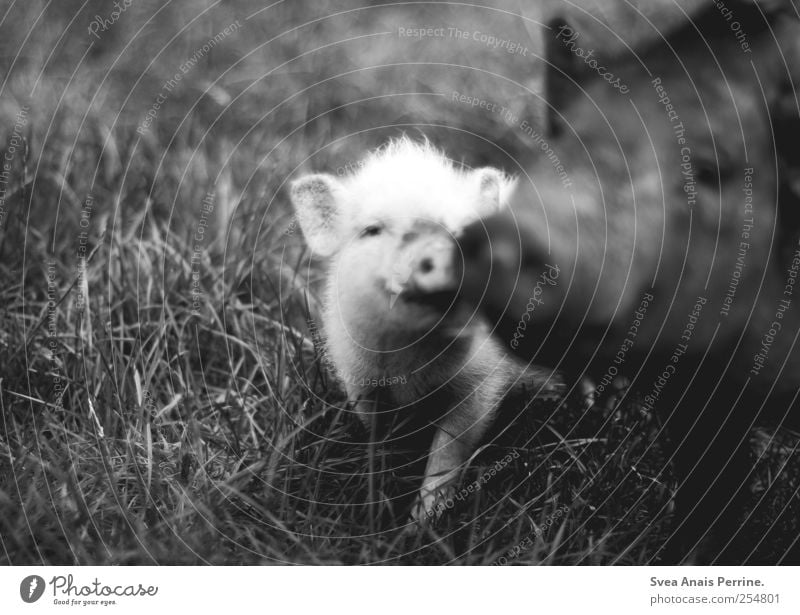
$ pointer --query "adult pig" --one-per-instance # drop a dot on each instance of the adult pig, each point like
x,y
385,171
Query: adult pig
x,y
673,220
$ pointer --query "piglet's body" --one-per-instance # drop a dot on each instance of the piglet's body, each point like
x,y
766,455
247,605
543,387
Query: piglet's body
x,y
389,314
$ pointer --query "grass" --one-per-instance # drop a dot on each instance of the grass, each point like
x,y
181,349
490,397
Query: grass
x,y
164,404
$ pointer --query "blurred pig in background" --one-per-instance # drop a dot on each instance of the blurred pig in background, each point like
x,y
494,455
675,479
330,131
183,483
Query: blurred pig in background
x,y
681,216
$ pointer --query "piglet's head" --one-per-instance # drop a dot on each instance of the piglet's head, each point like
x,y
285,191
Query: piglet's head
x,y
388,232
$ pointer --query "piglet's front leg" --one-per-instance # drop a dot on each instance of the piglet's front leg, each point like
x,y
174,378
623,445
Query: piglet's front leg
x,y
457,437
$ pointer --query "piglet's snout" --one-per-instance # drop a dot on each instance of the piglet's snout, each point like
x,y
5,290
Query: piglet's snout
x,y
433,270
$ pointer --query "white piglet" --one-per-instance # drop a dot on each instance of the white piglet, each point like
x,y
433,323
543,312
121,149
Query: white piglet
x,y
389,321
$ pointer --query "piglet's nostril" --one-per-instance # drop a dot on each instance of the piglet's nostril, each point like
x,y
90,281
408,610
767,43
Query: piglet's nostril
x,y
426,265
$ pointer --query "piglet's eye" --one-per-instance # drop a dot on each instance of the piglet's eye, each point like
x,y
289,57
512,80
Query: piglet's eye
x,y
372,230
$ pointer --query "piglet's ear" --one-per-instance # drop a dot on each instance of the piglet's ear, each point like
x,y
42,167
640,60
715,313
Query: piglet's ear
x,y
317,201
492,188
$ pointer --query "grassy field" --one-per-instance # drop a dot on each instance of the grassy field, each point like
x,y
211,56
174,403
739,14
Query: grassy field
x,y
162,397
